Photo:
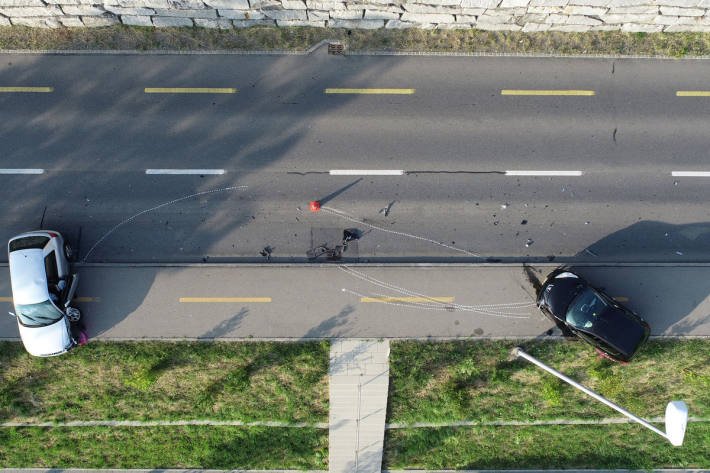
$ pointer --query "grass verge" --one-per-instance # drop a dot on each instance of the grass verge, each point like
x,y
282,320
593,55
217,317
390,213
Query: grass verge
x,y
302,38
623,446
165,447
285,382
475,381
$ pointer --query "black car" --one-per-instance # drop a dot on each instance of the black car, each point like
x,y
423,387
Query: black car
x,y
614,330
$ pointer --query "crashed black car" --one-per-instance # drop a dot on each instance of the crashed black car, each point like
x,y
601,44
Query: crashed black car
x,y
615,331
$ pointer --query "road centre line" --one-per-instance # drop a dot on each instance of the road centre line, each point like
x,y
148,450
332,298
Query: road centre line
x,y
184,171
21,171
693,93
366,172
543,173
371,91
225,299
547,92
190,90
27,89
690,173
406,299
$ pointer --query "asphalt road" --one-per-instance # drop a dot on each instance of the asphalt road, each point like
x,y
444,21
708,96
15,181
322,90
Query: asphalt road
x,y
324,301
97,132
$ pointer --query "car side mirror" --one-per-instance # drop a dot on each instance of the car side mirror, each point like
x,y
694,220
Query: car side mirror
x,y
12,314
72,290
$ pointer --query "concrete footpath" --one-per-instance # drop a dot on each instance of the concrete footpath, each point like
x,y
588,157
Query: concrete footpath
x,y
360,301
359,379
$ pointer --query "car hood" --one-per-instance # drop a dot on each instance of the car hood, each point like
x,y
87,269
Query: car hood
x,y
28,277
558,292
46,341
622,330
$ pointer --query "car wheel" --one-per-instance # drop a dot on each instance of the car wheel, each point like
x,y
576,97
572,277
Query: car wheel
x,y
68,251
73,314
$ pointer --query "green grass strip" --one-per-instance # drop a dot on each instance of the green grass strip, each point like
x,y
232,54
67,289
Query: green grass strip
x,y
282,382
164,447
301,38
476,381
541,447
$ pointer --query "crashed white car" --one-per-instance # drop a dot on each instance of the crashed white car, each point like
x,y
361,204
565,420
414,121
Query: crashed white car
x,y
42,291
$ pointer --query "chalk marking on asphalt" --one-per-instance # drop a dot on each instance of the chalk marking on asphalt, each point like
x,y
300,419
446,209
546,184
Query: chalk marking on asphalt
x,y
345,216
224,299
544,173
190,90
22,171
693,93
406,299
366,172
164,204
486,309
690,173
184,171
371,91
27,89
621,299
546,92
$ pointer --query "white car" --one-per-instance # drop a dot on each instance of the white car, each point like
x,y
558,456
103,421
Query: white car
x,y
42,291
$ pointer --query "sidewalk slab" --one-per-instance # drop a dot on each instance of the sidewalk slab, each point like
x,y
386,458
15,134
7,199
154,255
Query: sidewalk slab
x,y
359,382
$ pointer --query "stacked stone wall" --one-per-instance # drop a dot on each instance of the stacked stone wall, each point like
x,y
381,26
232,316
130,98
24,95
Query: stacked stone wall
x,y
506,15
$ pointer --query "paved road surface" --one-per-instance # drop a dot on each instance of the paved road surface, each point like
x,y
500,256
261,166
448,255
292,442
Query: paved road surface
x,y
325,301
98,131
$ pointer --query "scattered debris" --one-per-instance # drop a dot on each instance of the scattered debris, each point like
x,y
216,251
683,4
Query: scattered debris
x,y
266,252
386,210
351,234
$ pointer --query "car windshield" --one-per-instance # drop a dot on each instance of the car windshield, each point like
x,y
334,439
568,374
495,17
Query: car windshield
x,y
28,242
584,310
38,315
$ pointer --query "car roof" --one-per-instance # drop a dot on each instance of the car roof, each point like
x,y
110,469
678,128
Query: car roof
x,y
28,277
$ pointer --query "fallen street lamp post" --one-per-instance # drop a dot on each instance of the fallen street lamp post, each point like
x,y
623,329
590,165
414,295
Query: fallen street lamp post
x,y
676,411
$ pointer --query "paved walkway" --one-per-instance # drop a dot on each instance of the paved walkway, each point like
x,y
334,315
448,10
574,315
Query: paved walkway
x,y
359,379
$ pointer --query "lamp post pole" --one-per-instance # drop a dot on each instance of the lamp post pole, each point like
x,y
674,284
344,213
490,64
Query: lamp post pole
x,y
676,411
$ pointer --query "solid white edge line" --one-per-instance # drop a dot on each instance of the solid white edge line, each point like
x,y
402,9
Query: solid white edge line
x,y
366,172
21,171
184,171
543,173
690,173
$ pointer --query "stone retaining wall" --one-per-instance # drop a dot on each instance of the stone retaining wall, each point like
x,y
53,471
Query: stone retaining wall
x,y
509,15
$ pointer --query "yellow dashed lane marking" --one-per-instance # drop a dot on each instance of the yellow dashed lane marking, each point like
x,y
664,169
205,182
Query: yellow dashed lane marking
x,y
225,299
370,91
546,92
190,90
693,93
26,89
406,299
621,299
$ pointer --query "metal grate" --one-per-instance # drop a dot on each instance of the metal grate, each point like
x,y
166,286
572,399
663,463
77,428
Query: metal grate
x,y
337,49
